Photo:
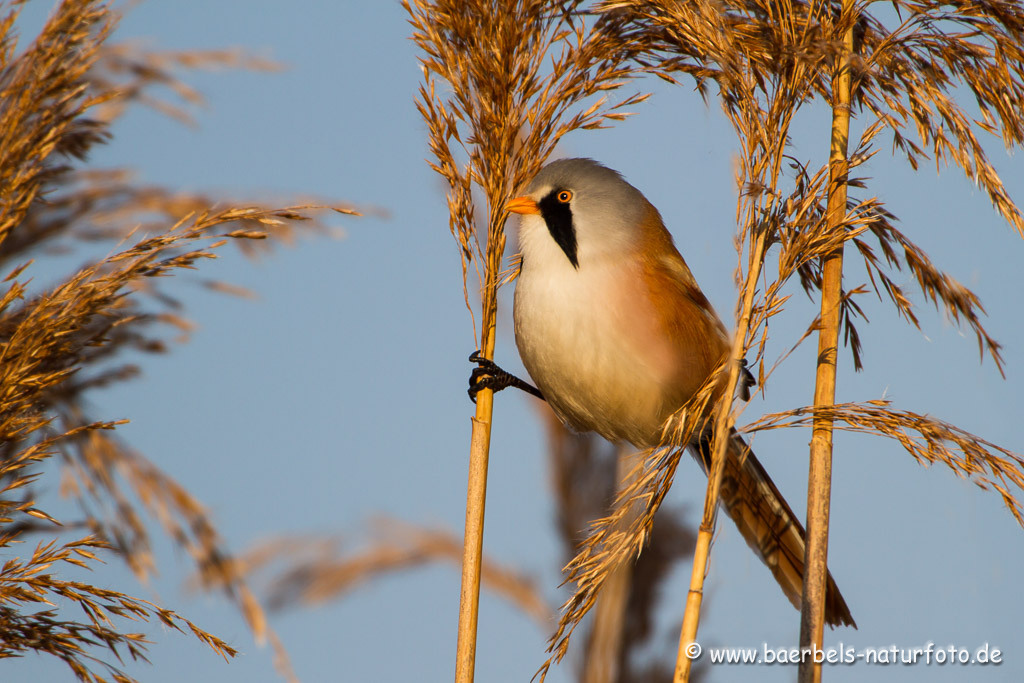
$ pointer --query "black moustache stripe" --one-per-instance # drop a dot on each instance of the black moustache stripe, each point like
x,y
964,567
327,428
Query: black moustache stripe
x,y
558,217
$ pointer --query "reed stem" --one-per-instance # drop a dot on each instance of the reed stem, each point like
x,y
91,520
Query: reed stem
x,y
819,480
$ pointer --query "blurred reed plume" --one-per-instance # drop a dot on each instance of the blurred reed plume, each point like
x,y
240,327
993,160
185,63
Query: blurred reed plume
x,y
518,75
585,470
58,97
317,570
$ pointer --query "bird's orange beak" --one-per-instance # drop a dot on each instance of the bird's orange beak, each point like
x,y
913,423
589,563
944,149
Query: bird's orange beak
x,y
522,205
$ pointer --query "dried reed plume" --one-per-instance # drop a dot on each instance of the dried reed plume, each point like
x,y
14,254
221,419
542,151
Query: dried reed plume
x,y
587,472
57,99
507,107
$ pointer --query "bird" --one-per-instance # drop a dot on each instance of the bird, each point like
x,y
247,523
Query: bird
x,y
616,334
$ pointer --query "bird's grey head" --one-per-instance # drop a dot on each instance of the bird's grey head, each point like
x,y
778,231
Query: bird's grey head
x,y
588,209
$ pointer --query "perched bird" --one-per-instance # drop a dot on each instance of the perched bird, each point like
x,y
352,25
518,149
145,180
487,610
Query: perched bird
x,y
615,332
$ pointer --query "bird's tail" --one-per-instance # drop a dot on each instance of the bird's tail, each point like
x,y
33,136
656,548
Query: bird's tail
x,y
768,524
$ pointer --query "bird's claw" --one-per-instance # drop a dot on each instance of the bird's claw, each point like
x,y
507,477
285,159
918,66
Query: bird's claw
x,y
483,376
487,375
747,381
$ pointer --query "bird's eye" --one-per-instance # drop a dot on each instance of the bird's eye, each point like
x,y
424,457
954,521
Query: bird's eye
x,y
564,196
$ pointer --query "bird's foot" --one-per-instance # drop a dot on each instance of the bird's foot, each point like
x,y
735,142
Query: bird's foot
x,y
747,381
487,375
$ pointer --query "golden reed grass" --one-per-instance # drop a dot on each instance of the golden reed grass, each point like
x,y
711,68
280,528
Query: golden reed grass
x,y
58,97
520,75
515,77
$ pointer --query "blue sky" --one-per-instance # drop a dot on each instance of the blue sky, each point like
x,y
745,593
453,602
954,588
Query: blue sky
x,y
339,394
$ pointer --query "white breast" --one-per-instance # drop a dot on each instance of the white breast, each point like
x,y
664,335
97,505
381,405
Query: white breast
x,y
585,337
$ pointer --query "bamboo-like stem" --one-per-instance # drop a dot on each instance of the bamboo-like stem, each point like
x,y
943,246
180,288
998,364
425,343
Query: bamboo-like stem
x,y
706,531
473,545
819,480
476,488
